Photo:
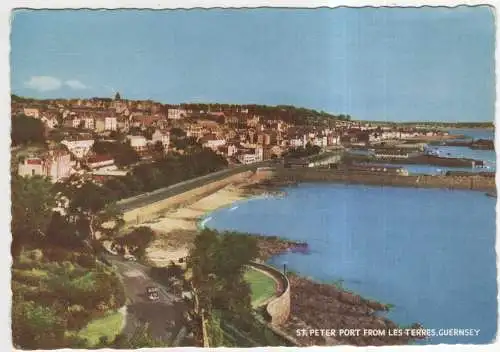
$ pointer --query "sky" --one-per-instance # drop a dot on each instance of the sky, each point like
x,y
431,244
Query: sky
x,y
393,64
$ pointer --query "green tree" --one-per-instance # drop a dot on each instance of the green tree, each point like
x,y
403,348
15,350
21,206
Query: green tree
x,y
217,265
92,208
35,326
122,153
136,241
27,130
33,201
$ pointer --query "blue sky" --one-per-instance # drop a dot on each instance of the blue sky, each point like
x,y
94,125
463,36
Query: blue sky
x,y
374,64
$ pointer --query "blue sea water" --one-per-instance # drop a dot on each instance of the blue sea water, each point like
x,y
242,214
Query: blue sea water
x,y
487,156
473,133
429,252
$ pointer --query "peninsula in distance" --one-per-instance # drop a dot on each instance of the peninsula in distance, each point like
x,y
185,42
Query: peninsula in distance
x,y
257,177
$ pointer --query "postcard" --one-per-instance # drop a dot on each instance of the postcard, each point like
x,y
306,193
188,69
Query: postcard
x,y
253,177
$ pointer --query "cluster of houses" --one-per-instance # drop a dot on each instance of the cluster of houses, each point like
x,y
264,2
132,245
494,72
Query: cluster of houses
x,y
239,136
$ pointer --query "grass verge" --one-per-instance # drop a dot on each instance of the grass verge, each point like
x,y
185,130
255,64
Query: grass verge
x,y
263,287
108,326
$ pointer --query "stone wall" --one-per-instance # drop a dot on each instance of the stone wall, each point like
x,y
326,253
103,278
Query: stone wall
x,y
278,308
155,209
481,183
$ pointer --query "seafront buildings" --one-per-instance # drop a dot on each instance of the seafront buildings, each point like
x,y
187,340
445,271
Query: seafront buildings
x,y
240,134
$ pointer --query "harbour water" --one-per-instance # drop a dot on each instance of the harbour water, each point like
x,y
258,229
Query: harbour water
x,y
487,156
429,252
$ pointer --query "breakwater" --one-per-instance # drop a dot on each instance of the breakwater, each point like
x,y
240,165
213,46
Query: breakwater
x,y
476,182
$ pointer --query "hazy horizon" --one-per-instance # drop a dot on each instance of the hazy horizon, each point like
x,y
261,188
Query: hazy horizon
x,y
385,64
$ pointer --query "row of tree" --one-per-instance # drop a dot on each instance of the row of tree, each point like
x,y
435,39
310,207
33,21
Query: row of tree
x,y
165,172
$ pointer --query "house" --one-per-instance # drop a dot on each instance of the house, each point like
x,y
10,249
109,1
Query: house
x,y
100,124
194,130
101,163
89,123
176,114
162,137
32,112
296,142
138,143
333,139
50,121
122,123
251,156
110,123
78,147
247,158
55,164
31,167
211,141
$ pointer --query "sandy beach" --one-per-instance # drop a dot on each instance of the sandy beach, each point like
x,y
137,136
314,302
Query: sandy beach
x,y
176,227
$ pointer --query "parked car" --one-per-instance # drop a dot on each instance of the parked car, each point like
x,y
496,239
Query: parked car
x,y
152,293
130,257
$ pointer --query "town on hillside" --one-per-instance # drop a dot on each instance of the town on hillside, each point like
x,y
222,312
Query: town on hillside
x,y
105,137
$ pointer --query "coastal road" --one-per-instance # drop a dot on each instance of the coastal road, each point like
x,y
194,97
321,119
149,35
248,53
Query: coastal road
x,y
164,316
181,187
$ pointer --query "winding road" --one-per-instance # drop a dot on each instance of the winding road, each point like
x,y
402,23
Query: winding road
x,y
164,316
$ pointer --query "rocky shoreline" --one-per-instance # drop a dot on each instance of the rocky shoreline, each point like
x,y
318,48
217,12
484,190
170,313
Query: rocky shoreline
x,y
316,305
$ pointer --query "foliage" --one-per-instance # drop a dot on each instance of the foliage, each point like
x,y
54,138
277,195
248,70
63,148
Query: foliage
x,y
136,241
32,202
218,265
122,153
165,274
302,152
164,172
107,327
27,130
51,299
91,206
141,338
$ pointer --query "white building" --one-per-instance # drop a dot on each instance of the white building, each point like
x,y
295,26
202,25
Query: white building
x,y
110,124
32,112
55,164
247,158
50,122
163,137
79,148
101,163
89,123
296,142
139,143
176,114
212,142
259,153
75,122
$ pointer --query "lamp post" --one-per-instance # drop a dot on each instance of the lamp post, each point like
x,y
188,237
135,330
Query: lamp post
x,y
284,268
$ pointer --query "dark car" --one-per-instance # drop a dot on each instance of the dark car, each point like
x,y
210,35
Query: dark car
x,y
152,293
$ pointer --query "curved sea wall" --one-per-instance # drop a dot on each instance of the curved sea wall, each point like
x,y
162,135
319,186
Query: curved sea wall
x,y
278,308
481,183
156,208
